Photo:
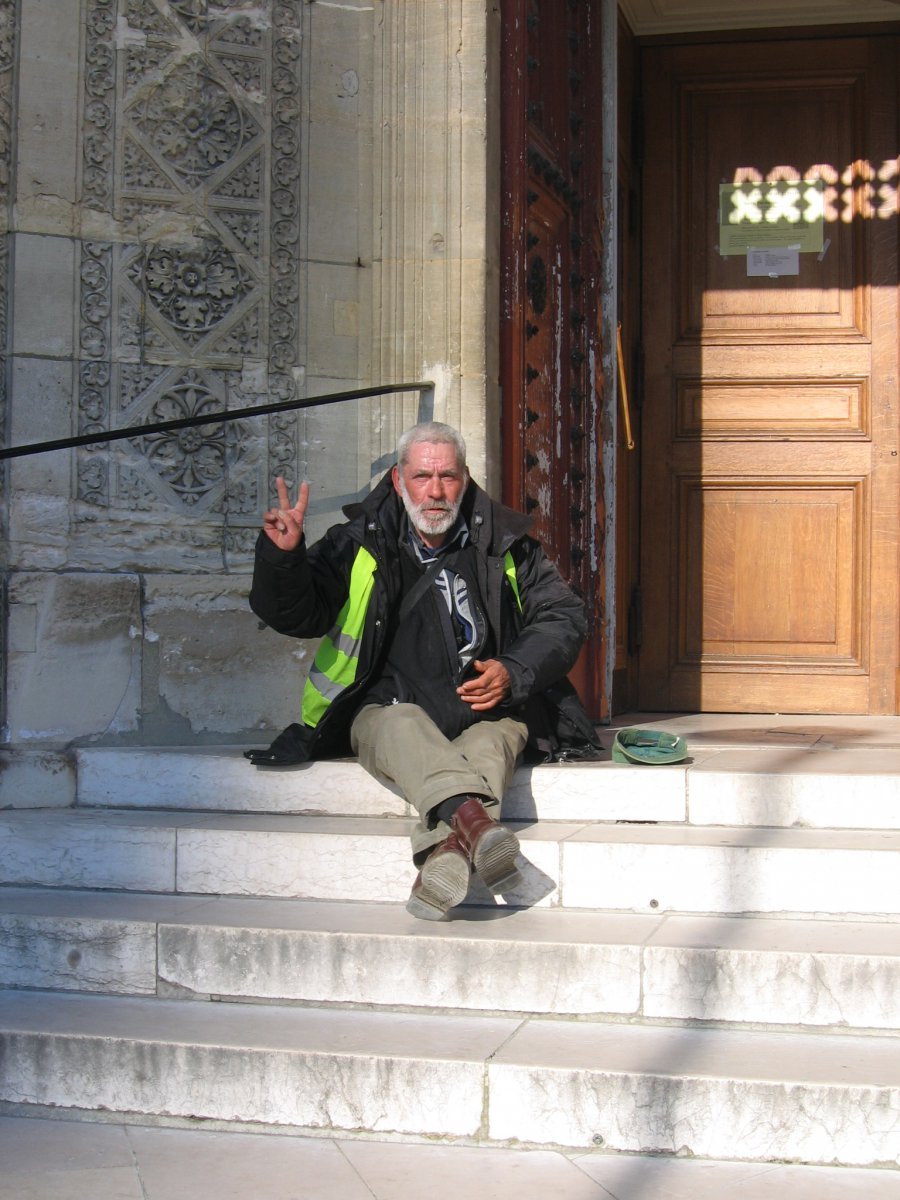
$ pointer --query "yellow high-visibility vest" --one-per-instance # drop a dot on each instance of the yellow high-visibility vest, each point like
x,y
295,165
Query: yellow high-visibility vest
x,y
336,663
510,572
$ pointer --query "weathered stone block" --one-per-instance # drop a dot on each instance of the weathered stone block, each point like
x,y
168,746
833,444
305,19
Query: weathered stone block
x,y
36,779
40,409
339,89
210,664
331,350
73,953
81,675
44,312
48,146
84,850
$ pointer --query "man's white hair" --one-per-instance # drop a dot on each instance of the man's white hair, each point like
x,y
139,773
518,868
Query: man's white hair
x,y
435,433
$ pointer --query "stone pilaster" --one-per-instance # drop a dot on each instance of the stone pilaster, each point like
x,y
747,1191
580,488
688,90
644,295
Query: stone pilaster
x,y
434,280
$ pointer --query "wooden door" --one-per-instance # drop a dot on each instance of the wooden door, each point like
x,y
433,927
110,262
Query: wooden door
x,y
769,560
549,337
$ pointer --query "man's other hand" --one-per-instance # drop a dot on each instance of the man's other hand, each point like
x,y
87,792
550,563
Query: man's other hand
x,y
488,688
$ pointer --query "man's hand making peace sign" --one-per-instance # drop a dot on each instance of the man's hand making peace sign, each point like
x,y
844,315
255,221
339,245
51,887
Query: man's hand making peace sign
x,y
284,525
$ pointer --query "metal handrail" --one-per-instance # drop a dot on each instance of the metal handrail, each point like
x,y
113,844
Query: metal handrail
x,y
235,414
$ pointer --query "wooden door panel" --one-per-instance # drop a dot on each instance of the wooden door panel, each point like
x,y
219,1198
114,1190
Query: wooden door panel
x,y
728,134
771,498
728,408
545,422
770,573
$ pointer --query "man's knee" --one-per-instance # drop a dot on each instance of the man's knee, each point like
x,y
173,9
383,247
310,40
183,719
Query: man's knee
x,y
396,721
402,719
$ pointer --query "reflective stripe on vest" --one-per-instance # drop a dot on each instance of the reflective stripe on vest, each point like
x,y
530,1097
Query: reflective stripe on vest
x,y
510,572
337,658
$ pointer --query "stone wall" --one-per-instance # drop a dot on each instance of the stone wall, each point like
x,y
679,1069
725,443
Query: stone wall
x,y
208,205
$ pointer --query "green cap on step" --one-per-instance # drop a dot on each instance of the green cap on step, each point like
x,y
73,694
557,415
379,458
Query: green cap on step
x,y
650,747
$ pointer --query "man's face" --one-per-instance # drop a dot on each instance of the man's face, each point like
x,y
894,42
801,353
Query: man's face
x,y
431,485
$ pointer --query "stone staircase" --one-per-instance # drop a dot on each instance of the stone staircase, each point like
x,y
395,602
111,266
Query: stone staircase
x,y
702,960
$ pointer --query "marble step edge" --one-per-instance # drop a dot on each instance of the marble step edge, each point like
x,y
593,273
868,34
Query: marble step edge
x,y
803,974
757,1096
222,780
636,868
841,789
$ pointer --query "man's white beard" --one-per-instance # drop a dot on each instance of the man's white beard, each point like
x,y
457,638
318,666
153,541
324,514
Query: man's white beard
x,y
427,523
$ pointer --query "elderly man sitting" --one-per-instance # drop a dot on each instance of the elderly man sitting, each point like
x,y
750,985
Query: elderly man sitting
x,y
446,638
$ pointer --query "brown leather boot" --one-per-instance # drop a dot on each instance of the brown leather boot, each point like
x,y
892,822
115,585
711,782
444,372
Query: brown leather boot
x,y
442,882
491,848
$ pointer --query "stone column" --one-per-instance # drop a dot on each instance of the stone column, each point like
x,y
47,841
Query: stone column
x,y
436,200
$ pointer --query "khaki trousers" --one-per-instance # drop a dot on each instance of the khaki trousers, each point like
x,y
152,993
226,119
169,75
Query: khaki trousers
x,y
400,744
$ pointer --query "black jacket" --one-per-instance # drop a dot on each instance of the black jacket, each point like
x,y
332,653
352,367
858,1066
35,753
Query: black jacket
x,y
300,593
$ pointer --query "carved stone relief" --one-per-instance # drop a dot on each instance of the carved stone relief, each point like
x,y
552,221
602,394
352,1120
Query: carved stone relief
x,y
190,153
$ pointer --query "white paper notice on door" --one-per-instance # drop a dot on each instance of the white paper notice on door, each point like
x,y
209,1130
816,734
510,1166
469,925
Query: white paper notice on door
x,y
774,263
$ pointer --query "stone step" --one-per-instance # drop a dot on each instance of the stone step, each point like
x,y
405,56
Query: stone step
x,y
221,780
806,974
776,786
636,868
709,1093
